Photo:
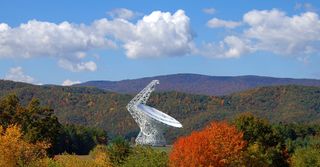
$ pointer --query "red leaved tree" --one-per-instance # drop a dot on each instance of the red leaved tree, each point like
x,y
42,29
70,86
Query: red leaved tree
x,y
219,144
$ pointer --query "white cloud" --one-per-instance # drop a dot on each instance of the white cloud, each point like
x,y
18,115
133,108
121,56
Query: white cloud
x,y
271,31
215,23
122,13
236,46
36,38
230,47
274,31
68,82
45,39
156,35
161,34
77,67
17,74
209,10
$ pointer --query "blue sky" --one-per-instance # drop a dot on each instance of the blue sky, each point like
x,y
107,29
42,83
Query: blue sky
x,y
57,42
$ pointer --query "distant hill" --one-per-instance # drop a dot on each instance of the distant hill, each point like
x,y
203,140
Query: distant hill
x,y
199,84
96,107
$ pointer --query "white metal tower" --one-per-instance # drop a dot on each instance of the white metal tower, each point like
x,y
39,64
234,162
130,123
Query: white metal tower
x,y
150,120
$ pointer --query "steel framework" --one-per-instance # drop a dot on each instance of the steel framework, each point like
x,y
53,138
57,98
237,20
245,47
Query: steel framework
x,y
151,121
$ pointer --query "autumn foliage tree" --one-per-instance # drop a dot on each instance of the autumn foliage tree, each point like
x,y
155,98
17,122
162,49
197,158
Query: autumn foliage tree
x,y
219,144
15,151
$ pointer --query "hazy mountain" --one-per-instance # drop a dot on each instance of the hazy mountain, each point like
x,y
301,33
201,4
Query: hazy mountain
x,y
199,84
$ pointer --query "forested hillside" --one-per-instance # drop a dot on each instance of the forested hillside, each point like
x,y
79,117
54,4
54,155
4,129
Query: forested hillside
x,y
199,84
95,107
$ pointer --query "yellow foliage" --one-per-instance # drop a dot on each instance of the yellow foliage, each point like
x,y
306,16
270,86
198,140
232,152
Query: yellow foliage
x,y
14,151
101,156
102,159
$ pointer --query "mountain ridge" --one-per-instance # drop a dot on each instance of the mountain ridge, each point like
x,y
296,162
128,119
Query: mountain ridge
x,y
198,83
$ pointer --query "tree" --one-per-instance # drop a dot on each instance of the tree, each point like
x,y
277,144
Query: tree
x,y
81,139
265,143
219,144
15,151
256,130
37,123
9,105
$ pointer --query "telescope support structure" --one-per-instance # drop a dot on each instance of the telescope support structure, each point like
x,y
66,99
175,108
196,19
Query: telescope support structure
x,y
151,130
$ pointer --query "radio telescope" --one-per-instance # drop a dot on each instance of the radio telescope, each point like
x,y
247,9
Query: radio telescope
x,y
150,120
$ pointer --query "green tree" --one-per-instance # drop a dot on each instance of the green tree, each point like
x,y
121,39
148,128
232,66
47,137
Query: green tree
x,y
9,106
265,145
37,123
81,139
256,130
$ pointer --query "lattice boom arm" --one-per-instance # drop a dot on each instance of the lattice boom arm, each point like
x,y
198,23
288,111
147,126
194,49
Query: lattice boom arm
x,y
143,96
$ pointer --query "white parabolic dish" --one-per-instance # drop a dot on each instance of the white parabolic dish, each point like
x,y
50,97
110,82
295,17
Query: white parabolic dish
x,y
159,116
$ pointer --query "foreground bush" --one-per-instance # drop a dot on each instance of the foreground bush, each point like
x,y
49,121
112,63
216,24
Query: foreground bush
x,y
146,157
15,151
219,144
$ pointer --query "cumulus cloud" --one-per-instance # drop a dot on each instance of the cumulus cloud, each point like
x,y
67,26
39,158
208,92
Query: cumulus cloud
x,y
274,31
271,31
122,13
37,38
215,23
161,34
156,35
68,82
17,74
45,39
209,10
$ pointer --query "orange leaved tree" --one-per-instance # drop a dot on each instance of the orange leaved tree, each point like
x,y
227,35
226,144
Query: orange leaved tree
x,y
15,151
219,144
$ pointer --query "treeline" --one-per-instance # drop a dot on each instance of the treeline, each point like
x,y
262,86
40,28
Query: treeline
x,y
39,124
31,135
106,110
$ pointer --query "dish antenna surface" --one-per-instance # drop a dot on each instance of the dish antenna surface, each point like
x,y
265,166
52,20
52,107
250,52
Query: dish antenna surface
x,y
150,120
